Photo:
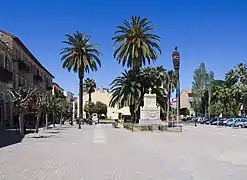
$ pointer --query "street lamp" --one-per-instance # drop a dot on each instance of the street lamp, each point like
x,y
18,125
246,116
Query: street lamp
x,y
176,65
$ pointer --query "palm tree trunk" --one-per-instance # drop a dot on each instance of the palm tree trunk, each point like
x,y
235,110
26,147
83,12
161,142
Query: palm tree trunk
x,y
81,76
21,124
168,106
90,97
37,122
46,121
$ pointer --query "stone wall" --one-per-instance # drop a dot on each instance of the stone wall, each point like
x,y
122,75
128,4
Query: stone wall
x,y
6,39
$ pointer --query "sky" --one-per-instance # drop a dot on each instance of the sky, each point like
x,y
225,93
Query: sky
x,y
212,31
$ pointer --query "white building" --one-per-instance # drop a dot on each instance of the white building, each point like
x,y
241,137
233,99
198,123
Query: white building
x,y
104,96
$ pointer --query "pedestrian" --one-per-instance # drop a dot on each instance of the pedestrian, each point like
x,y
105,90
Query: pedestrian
x,y
195,122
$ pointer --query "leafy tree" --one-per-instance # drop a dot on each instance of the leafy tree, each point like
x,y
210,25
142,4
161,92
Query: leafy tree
x,y
21,99
62,108
89,108
184,111
136,45
201,86
90,86
81,56
101,108
40,99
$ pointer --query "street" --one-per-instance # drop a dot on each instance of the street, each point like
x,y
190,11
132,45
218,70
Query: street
x,y
104,153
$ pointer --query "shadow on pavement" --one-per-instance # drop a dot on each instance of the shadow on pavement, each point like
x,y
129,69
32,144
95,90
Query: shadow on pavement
x,y
9,137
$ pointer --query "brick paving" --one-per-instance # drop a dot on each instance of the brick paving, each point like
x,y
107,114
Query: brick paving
x,y
105,153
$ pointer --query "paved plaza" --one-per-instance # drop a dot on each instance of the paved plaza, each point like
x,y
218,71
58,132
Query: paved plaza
x,y
105,153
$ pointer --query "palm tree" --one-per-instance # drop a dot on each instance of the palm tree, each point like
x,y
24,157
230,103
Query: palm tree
x,y
129,89
81,56
170,84
126,91
136,46
90,86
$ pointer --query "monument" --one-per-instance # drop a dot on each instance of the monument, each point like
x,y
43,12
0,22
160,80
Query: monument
x,y
150,113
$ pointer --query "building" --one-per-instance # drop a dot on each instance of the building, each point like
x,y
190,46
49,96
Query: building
x,y
186,100
18,68
57,90
70,98
103,95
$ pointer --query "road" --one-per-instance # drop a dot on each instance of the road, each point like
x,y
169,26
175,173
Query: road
x,y
104,153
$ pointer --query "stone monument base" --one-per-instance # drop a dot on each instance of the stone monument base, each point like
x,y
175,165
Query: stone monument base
x,y
150,121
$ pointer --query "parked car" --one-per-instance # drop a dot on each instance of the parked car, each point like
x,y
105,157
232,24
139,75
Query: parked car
x,y
218,122
226,120
241,123
230,122
211,120
204,120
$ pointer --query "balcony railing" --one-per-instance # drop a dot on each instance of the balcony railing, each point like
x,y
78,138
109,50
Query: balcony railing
x,y
5,75
24,67
37,77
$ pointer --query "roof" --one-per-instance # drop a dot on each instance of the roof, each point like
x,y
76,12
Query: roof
x,y
18,41
55,84
188,91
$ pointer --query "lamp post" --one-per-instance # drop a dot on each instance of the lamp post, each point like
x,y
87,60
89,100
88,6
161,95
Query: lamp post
x,y
176,65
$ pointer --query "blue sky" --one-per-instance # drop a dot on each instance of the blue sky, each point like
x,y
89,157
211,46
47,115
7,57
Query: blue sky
x,y
213,31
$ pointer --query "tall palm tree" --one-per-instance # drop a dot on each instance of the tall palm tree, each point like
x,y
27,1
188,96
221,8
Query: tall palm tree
x,y
81,56
90,86
170,84
136,45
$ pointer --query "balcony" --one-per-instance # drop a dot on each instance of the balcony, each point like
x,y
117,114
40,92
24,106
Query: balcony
x,y
48,87
37,77
5,75
24,67
59,94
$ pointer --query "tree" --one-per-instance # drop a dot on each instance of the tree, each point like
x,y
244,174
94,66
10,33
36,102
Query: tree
x,y
90,86
136,46
126,91
81,56
40,99
101,108
62,109
184,111
21,99
200,87
129,89
89,109
170,84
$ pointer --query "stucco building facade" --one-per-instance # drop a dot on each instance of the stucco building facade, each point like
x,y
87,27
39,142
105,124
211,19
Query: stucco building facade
x,y
104,96
18,68
186,100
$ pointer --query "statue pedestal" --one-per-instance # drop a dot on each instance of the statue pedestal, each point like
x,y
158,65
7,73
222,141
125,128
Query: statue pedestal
x,y
150,113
